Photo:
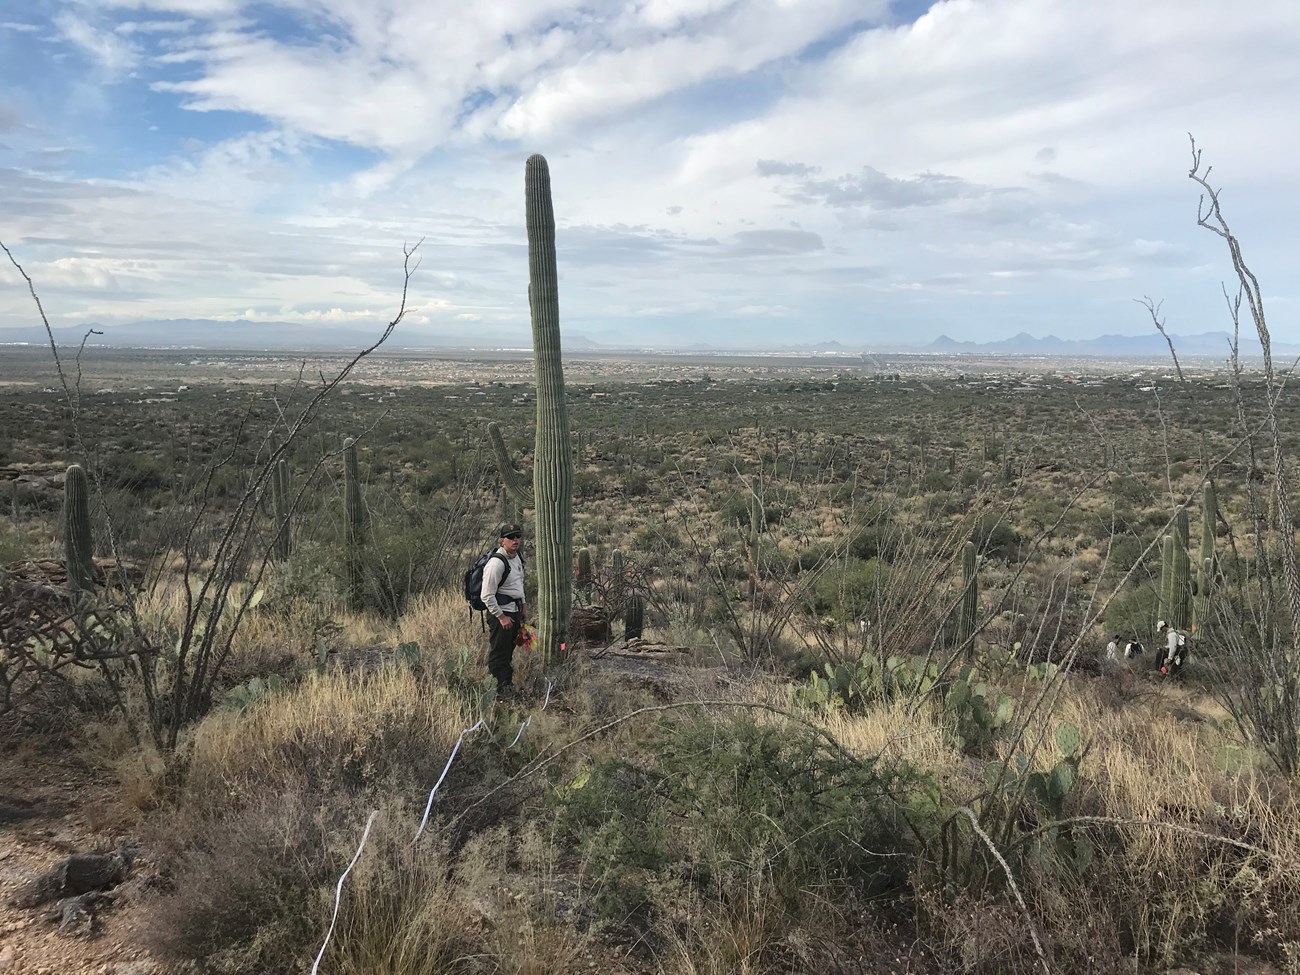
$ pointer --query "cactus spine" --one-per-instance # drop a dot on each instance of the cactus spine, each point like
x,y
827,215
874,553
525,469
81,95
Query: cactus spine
x,y
553,456
76,531
281,504
354,523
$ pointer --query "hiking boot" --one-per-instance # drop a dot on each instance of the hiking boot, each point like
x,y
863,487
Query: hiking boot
x,y
507,692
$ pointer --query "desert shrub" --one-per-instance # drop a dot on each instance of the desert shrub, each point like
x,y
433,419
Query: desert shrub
x,y
996,539
719,802
253,892
853,592
1132,613
244,890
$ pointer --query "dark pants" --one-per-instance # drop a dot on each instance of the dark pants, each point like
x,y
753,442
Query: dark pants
x,y
501,649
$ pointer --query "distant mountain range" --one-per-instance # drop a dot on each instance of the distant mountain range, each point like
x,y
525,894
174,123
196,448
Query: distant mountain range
x,y
286,336
1121,346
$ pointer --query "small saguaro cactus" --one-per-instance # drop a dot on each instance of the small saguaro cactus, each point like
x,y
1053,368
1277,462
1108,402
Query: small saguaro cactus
x,y
1205,561
76,530
281,505
634,619
1166,570
969,606
756,526
1175,582
582,575
354,523
1181,606
1209,519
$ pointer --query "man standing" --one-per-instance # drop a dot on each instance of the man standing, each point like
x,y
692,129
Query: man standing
x,y
503,595
1171,661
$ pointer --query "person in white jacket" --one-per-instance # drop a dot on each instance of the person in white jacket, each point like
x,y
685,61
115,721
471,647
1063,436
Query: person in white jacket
x,y
1175,654
503,595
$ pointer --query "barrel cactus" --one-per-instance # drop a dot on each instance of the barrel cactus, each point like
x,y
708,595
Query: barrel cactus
x,y
76,531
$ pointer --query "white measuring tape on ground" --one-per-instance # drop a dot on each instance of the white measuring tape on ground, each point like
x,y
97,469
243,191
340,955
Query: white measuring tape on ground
x,y
338,892
529,720
434,791
428,807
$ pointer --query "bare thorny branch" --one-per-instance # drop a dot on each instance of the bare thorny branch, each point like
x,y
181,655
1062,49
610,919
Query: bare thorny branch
x,y
203,643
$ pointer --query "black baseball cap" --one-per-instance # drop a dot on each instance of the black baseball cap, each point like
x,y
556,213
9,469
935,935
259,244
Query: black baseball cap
x,y
510,530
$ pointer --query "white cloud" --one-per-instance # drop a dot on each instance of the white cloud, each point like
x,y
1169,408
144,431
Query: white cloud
x,y
997,161
109,51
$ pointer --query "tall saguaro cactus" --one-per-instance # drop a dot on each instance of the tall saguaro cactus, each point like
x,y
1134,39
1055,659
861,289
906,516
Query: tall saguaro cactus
x,y
553,456
76,530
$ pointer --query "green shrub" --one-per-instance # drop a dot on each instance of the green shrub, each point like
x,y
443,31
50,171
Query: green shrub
x,y
723,800
853,591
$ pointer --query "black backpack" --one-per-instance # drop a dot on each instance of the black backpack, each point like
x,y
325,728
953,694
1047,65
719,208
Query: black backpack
x,y
474,578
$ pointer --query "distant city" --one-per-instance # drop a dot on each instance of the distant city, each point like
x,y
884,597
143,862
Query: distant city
x,y
246,335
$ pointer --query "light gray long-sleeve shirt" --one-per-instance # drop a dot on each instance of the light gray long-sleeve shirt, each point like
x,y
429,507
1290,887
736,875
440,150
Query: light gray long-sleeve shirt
x,y
512,590
1171,645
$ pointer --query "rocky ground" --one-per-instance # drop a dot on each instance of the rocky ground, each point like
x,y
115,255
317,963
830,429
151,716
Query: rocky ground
x,y
54,805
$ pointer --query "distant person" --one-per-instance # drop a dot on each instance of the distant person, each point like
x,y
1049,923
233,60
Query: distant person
x,y
1171,661
1133,649
503,595
1112,649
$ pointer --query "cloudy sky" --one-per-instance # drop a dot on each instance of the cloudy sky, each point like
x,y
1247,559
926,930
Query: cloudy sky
x,y
735,172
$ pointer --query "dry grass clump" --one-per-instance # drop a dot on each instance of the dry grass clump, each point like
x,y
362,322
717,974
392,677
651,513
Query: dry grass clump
x,y
1176,839
346,732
